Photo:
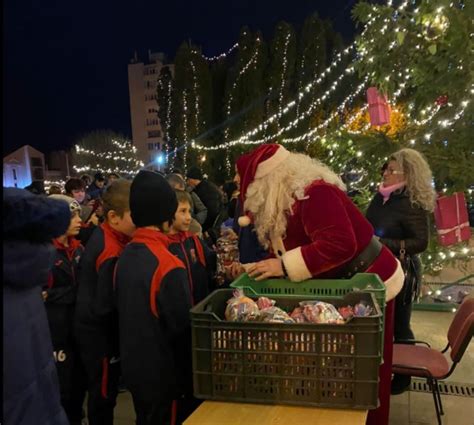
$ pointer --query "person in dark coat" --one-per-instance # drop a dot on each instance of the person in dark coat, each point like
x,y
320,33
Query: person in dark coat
x,y
211,197
94,191
96,320
399,214
153,302
60,301
30,381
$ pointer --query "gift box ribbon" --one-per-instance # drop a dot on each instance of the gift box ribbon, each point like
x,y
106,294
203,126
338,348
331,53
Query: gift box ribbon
x,y
457,229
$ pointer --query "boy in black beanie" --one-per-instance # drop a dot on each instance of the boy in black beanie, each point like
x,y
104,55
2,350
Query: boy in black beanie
x,y
153,304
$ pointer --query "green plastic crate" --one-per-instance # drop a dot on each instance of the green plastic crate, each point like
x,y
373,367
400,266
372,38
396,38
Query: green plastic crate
x,y
316,288
321,365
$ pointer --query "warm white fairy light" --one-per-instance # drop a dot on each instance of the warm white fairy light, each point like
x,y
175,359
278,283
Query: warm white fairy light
x,y
234,85
222,55
196,97
185,131
290,105
283,73
168,121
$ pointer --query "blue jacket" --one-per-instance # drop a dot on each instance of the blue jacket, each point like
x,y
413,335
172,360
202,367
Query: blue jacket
x,y
30,382
199,260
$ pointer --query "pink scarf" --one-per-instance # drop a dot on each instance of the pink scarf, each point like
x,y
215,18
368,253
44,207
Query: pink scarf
x,y
387,191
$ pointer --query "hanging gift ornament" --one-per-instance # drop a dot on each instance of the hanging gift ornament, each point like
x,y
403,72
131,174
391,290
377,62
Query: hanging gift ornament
x,y
434,26
379,109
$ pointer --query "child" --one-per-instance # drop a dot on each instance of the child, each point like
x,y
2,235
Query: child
x,y
96,317
153,305
199,261
60,300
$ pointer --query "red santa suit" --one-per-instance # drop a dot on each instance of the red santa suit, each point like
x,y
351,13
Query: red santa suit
x,y
326,236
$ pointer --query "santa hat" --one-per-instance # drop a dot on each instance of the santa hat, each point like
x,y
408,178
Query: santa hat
x,y
255,165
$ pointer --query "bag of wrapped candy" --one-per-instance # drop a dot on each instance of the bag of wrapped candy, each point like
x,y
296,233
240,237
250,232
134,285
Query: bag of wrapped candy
x,y
359,310
227,251
316,312
241,308
274,315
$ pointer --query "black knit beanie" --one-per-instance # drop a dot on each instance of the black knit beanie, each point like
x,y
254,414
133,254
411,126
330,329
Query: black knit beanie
x,y
152,200
194,173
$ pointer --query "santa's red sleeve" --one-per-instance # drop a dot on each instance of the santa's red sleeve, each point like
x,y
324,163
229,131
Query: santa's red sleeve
x,y
327,225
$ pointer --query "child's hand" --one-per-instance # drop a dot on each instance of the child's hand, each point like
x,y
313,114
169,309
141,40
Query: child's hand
x,y
234,270
94,220
44,294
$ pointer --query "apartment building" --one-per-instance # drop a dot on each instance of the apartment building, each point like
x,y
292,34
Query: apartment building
x,y
147,133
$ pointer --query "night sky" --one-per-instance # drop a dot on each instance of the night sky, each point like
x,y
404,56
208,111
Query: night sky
x,y
65,62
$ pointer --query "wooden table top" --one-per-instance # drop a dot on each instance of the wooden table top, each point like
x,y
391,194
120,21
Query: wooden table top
x,y
223,413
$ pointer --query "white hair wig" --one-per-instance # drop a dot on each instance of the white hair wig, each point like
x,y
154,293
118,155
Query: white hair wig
x,y
270,199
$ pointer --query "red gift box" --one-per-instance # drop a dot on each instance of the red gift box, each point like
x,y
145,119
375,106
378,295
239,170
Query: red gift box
x,y
451,218
379,109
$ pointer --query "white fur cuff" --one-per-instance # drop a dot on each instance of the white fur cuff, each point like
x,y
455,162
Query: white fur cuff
x,y
394,284
295,265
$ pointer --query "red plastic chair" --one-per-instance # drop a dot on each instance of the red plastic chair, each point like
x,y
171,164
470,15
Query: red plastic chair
x,y
425,362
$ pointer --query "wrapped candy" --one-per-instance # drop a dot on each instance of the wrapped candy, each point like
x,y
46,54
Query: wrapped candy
x,y
346,312
264,302
362,310
241,308
359,310
274,315
297,315
321,312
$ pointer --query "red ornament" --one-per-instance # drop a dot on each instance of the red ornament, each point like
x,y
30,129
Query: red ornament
x,y
442,100
379,109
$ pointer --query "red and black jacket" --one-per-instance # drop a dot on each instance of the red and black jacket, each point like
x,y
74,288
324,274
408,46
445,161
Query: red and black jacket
x,y
63,278
95,308
199,260
153,301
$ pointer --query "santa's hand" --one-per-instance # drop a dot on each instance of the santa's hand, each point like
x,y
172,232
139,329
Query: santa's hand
x,y
266,269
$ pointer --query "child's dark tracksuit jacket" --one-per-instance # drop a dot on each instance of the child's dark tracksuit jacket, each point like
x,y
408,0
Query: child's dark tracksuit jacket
x,y
96,321
60,304
199,260
153,303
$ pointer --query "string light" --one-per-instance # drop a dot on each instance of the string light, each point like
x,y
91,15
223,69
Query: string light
x,y
222,55
196,97
185,128
234,85
283,72
293,103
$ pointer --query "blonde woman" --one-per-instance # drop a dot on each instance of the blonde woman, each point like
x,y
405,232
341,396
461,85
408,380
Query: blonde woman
x,y
399,214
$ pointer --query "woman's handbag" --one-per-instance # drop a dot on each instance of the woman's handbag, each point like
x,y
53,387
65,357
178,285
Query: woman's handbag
x,y
412,268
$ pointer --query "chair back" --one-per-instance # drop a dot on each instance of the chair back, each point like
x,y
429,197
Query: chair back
x,y
461,329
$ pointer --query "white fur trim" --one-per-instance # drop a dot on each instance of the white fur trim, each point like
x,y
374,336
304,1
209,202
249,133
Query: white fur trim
x,y
271,163
295,265
394,284
244,220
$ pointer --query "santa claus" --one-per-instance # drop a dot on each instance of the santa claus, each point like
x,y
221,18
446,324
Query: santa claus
x,y
302,214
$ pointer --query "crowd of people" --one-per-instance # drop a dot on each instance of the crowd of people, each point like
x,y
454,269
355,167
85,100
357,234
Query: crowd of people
x,y
110,268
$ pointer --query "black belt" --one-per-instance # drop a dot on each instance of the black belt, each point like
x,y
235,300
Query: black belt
x,y
362,262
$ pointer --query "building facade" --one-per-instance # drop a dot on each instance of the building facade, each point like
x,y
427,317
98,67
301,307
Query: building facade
x,y
23,167
147,133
